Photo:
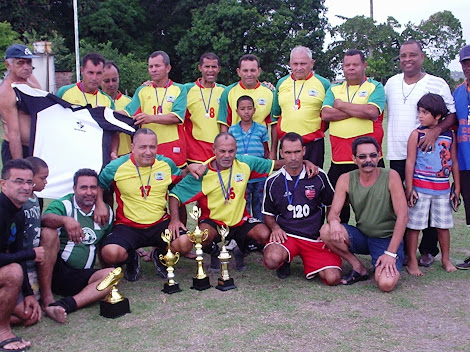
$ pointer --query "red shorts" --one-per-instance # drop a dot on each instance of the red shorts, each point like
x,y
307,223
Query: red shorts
x,y
314,253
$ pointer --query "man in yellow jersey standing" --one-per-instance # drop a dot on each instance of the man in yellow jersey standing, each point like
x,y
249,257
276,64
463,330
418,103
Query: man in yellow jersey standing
x,y
297,103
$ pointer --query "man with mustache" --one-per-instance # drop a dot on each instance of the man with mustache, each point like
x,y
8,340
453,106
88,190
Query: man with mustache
x,y
379,204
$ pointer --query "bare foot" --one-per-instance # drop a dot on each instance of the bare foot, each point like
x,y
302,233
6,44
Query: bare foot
x,y
447,265
17,344
57,313
413,269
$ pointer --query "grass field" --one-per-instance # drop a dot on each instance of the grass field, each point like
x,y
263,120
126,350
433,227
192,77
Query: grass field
x,y
267,314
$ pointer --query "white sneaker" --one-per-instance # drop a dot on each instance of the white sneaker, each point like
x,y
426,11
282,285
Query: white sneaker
x,y
231,245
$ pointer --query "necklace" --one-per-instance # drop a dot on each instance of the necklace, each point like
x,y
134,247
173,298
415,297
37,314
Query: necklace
x,y
405,97
160,106
357,90
290,196
297,97
225,190
145,190
206,108
84,95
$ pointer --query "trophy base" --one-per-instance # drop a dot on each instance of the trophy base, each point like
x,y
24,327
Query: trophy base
x,y
225,285
114,310
201,284
171,288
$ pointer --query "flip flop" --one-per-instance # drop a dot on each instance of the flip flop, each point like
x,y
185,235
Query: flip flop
x,y
354,277
10,340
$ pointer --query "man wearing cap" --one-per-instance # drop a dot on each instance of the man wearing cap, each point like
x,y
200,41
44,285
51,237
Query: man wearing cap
x,y
462,104
16,123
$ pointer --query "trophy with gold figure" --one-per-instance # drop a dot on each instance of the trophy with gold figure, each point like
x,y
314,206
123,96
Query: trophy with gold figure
x,y
169,260
225,282
201,281
114,305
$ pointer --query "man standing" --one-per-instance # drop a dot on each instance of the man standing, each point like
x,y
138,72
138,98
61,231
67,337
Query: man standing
x,y
161,107
72,273
403,92
297,103
200,122
353,108
249,71
16,123
16,295
87,92
292,207
379,204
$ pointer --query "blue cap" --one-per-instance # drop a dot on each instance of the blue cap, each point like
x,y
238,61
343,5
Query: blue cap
x,y
18,51
464,53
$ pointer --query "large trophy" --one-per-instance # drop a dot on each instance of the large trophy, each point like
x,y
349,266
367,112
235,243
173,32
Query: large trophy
x,y
169,260
114,304
201,281
225,282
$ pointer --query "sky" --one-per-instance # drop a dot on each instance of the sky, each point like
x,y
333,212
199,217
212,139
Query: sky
x,y
403,11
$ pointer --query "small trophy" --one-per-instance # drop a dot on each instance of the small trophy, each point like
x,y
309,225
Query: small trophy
x,y
201,281
115,304
169,260
225,282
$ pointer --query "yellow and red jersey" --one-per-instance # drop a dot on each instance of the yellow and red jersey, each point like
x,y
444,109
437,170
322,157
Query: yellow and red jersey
x,y
74,94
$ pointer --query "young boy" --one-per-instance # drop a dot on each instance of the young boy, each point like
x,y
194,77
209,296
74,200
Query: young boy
x,y
252,139
427,182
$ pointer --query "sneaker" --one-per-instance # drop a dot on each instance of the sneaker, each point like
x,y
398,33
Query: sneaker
x,y
159,267
465,265
426,260
215,261
133,267
239,259
283,271
231,245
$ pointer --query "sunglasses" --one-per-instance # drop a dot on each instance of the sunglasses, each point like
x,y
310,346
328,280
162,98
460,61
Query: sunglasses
x,y
364,156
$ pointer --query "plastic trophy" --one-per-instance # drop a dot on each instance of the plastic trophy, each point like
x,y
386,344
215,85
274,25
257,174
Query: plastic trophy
x,y
115,304
225,282
169,260
201,281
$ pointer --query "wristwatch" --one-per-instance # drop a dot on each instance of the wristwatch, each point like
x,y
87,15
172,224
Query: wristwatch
x,y
393,255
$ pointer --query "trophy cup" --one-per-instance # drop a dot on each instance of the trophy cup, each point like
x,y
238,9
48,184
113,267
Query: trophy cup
x,y
169,260
225,282
115,304
201,281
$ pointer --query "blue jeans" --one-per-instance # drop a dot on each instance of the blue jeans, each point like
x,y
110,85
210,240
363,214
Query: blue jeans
x,y
254,199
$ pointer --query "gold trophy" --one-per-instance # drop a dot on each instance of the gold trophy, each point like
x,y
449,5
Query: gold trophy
x,y
201,281
225,282
114,305
169,260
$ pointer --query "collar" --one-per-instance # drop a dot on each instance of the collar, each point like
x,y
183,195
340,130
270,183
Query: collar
x,y
199,84
256,86
310,75
80,86
360,84
8,204
76,206
118,95
169,83
302,174
135,162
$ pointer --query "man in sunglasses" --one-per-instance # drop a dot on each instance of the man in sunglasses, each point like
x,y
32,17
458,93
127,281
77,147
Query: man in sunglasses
x,y
379,204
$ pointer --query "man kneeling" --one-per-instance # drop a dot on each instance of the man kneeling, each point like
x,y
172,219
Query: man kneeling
x,y
379,204
293,211
72,274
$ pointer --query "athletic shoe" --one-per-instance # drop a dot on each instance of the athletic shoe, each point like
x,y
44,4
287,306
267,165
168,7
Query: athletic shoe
x,y
133,267
465,265
159,267
426,260
283,271
239,259
215,261
231,245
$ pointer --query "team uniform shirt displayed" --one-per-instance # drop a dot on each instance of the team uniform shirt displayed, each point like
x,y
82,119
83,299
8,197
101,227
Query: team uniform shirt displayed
x,y
462,107
120,103
79,255
170,99
221,197
343,132
297,105
80,137
402,110
261,95
296,203
75,95
200,122
432,169
141,192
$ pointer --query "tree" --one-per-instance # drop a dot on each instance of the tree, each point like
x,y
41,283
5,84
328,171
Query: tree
x,y
7,37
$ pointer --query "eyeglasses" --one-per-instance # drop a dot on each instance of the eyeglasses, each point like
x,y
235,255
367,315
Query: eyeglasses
x,y
364,156
21,182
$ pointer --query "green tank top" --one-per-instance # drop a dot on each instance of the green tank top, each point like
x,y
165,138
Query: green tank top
x,y
372,205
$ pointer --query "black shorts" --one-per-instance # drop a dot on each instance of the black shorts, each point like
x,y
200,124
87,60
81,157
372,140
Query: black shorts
x,y
315,152
68,281
237,233
132,238
6,155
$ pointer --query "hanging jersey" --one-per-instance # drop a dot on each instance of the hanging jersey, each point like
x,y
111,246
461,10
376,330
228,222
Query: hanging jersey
x,y
300,113
200,122
79,255
171,99
124,139
261,95
208,189
67,138
75,95
141,200
343,133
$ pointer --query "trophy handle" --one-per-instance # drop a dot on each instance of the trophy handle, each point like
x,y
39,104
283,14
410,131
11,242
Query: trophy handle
x,y
205,235
161,257
177,256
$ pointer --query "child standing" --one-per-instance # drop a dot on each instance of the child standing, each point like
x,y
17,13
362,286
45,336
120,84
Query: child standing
x,y
252,139
427,182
